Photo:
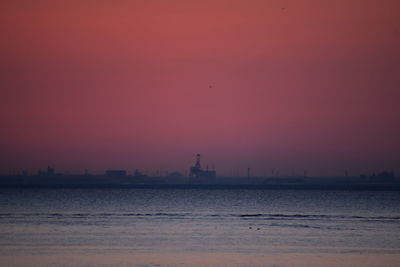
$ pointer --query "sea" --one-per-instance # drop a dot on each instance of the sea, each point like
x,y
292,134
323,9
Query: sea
x,y
198,227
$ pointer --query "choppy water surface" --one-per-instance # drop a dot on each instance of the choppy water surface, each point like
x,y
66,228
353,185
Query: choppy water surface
x,y
199,227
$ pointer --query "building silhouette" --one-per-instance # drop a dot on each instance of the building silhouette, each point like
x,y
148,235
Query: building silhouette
x,y
198,175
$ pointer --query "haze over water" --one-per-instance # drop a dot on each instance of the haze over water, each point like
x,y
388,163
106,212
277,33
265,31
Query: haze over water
x,y
169,227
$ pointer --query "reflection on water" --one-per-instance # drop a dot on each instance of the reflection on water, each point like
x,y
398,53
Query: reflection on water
x,y
199,227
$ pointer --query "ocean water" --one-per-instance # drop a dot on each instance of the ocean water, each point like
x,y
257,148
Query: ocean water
x,y
178,227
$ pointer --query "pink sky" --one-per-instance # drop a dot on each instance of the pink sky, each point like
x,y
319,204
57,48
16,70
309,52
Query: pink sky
x,y
295,85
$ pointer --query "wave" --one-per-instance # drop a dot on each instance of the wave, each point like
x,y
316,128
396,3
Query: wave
x,y
316,216
250,216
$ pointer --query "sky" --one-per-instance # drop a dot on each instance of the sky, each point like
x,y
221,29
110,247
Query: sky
x,y
291,85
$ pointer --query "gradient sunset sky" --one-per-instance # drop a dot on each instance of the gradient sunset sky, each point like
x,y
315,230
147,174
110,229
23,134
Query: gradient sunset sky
x,y
292,85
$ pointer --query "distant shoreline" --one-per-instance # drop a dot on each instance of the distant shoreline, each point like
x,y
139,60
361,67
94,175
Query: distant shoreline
x,y
341,187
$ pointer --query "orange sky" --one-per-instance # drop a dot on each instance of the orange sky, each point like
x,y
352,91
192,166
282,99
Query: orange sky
x,y
291,85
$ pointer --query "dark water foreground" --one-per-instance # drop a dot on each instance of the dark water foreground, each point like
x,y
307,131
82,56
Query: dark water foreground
x,y
198,227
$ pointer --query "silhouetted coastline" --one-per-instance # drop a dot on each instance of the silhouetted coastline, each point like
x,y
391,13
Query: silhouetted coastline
x,y
146,182
199,179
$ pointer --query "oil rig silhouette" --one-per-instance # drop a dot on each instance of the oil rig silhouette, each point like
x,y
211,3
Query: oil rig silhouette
x,y
200,176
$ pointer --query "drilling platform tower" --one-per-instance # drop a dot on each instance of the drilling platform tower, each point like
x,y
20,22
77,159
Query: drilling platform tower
x,y
198,175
